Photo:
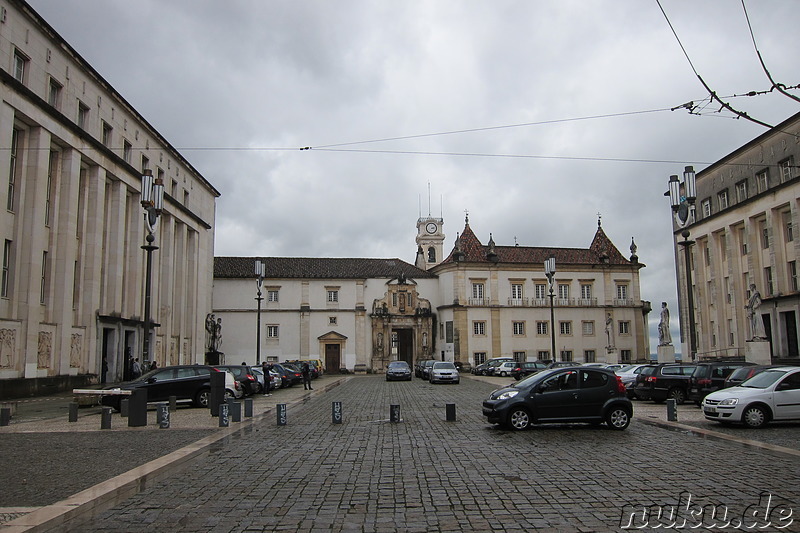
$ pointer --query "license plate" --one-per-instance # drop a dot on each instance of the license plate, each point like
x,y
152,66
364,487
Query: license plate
x,y
710,410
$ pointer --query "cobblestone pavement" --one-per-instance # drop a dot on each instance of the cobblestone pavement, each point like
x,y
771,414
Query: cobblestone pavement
x,y
426,474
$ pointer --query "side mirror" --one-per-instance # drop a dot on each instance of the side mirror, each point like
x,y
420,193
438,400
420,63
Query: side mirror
x,y
151,380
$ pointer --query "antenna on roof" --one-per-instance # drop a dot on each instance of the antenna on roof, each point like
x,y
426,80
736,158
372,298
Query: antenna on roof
x,y
429,199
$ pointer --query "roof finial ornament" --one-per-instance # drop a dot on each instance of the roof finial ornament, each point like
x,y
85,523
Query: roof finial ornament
x,y
599,216
466,217
515,241
634,257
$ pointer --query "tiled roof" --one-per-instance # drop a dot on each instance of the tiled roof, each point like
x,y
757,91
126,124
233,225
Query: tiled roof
x,y
475,252
317,268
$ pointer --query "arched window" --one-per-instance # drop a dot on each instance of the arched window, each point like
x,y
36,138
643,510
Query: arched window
x,y
431,255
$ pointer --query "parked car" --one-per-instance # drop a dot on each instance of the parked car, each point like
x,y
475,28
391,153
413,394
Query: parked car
x,y
418,367
666,380
773,394
562,364
526,368
186,382
560,395
505,368
444,372
244,375
290,376
629,373
398,371
492,364
742,374
710,377
426,369
297,364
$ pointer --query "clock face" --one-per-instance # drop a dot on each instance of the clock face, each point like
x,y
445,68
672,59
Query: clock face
x,y
431,227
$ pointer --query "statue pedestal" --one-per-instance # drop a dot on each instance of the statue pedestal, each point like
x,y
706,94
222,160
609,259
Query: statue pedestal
x,y
608,356
666,353
757,352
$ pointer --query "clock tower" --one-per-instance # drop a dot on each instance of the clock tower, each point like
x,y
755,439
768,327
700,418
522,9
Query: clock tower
x,y
430,242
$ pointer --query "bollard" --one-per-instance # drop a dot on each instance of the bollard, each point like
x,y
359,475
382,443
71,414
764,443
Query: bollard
x,y
5,416
222,412
105,418
394,413
173,403
280,409
73,411
336,412
137,408
248,407
450,412
672,410
236,411
124,408
162,415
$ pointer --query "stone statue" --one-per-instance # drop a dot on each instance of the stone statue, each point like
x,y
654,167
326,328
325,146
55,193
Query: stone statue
x,y
610,331
664,336
756,322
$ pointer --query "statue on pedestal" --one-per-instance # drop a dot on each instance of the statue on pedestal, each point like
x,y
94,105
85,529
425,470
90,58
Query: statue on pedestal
x,y
756,322
664,336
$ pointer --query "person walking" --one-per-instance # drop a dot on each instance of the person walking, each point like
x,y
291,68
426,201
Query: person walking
x,y
306,377
265,368
136,370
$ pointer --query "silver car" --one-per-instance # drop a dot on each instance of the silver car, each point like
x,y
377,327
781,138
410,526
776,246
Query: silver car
x,y
444,372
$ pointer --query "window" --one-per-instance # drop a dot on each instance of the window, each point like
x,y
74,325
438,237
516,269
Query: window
x,y
722,197
12,168
479,358
793,275
625,356
588,327
741,191
83,115
565,327
785,167
541,328
589,356
431,254
52,165
586,291
706,207
764,235
516,291
272,331
563,291
518,328
622,292
787,221
762,181
126,151
731,338
477,291
54,94
272,295
479,327
769,281
331,320
146,165
624,327
20,66
566,355
333,295
6,269
541,290
43,280
519,357
543,355
107,131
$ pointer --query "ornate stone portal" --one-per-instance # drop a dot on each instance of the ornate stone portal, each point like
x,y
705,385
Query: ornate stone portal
x,y
402,325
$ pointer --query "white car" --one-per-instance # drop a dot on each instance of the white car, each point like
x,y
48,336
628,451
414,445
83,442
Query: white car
x,y
771,395
444,372
505,368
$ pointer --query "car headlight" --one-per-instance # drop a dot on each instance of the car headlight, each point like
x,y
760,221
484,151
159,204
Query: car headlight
x,y
508,394
729,401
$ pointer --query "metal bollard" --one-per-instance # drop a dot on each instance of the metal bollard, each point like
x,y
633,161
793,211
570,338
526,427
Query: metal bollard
x,y
336,412
248,407
224,420
672,410
73,411
394,413
280,409
173,403
450,412
124,408
162,415
5,416
236,411
105,418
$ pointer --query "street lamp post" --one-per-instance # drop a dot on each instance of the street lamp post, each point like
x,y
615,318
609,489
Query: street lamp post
x,y
683,208
550,272
152,195
261,270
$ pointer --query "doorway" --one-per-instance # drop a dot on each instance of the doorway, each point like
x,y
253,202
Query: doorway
x,y
790,323
405,345
333,358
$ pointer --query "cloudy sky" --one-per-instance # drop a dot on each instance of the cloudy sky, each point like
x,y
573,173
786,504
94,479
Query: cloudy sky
x,y
534,116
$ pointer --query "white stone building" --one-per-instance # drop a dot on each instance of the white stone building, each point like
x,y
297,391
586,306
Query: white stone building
x,y
73,272
745,232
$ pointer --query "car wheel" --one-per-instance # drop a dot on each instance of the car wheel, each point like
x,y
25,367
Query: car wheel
x,y
755,417
618,418
503,374
519,418
678,395
203,398
229,394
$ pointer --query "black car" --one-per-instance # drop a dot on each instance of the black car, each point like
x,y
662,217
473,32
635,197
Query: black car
x,y
244,375
743,374
297,364
710,377
426,369
526,368
185,382
398,371
559,395
289,375
663,381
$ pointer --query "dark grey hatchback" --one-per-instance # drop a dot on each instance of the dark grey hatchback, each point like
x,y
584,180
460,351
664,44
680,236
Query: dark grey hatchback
x,y
561,395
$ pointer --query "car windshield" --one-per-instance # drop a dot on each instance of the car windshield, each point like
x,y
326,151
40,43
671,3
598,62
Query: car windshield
x,y
398,365
764,379
533,378
444,365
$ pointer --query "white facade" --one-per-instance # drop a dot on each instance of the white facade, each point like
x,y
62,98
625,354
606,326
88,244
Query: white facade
x,y
73,271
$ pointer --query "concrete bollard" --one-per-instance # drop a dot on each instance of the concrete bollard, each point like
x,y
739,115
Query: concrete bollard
x,y
173,403
124,408
236,411
73,411
5,416
336,412
280,409
394,413
450,412
105,418
248,407
162,415
224,419
672,410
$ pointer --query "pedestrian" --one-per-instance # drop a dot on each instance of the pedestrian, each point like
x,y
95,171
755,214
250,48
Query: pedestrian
x,y
265,368
306,377
136,370
153,365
